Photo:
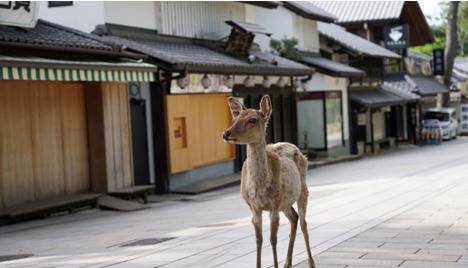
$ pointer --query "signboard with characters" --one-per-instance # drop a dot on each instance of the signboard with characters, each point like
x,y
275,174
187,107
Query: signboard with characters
x,y
19,13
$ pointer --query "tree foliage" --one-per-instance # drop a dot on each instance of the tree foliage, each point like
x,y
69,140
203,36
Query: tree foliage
x,y
286,47
439,26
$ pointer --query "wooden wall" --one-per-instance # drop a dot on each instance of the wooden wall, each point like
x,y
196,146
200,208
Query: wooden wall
x,y
43,140
109,136
195,125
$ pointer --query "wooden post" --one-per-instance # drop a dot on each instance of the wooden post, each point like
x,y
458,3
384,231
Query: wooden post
x,y
158,91
372,130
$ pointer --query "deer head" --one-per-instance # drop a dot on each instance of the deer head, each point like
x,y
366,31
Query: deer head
x,y
249,125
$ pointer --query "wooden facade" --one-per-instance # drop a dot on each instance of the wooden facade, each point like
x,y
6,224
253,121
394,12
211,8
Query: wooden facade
x,y
195,123
109,136
60,138
43,140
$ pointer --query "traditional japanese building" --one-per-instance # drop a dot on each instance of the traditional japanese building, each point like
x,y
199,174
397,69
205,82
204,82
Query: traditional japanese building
x,y
64,114
189,104
395,26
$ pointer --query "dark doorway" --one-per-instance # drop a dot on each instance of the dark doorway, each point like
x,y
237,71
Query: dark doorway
x,y
140,142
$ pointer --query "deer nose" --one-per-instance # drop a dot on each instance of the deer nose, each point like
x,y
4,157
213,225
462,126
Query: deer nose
x,y
226,134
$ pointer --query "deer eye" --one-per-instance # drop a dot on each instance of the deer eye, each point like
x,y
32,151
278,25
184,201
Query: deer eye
x,y
252,120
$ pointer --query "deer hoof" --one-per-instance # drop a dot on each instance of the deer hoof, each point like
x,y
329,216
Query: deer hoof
x,y
311,263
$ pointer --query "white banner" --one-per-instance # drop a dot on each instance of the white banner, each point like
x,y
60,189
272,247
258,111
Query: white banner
x,y
19,13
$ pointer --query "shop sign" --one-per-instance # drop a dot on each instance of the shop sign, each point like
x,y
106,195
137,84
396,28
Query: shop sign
x,y
396,36
438,59
19,13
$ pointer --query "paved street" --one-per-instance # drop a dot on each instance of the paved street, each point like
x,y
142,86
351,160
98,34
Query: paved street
x,y
406,208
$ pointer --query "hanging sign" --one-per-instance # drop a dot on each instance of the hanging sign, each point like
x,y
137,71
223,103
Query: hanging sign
x,y
19,13
438,59
396,36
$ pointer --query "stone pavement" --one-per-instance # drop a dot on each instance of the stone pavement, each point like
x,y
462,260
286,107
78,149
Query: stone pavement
x,y
401,209
434,233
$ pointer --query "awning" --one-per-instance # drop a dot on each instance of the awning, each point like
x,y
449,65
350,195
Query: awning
x,y
330,67
374,97
33,68
309,11
427,86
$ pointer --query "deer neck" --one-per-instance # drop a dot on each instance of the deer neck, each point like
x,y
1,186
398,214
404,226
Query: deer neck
x,y
257,162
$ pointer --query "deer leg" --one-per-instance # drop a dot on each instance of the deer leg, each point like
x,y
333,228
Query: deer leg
x,y
292,217
257,223
302,209
274,225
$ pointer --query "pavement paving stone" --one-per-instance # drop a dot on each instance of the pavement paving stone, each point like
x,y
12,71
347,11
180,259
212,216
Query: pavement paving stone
x,y
359,262
416,257
337,254
365,250
382,211
429,264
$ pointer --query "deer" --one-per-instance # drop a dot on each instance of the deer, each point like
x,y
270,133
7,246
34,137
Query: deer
x,y
273,177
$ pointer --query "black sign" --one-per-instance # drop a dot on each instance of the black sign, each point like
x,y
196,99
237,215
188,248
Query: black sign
x,y
396,36
438,59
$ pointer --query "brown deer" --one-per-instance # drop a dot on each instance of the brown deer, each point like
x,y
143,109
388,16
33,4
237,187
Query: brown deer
x,y
273,176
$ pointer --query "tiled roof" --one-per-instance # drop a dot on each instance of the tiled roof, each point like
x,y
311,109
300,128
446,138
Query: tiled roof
x,y
461,65
47,35
181,54
374,97
332,67
353,42
427,86
418,55
309,11
401,88
360,11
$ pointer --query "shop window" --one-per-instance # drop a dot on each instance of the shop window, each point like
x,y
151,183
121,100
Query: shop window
x,y
334,114
311,121
320,120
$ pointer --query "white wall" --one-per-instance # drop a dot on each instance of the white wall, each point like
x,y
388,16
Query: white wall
x,y
181,18
199,19
133,13
81,15
282,23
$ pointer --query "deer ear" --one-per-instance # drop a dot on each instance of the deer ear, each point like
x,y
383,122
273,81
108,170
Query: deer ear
x,y
265,106
236,106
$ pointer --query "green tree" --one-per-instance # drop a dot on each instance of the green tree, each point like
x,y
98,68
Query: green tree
x,y
287,47
462,28
439,26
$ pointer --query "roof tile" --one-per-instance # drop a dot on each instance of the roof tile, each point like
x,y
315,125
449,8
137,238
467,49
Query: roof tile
x,y
50,35
353,42
185,54
359,11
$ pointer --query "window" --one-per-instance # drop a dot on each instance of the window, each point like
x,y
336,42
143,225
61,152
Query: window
x,y
437,115
334,119
320,120
60,3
